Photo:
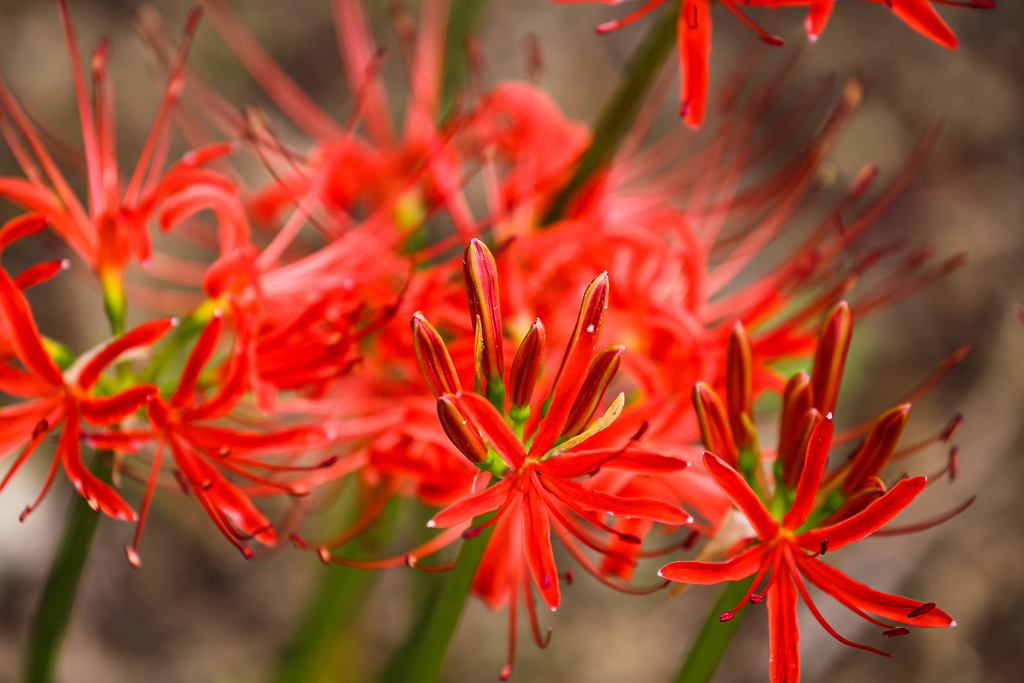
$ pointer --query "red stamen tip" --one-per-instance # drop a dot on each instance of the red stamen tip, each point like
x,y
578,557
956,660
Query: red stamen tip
x,y
952,427
194,15
297,541
898,631
246,552
630,538
506,671
569,576
773,40
324,554
640,432
40,427
954,462
24,513
823,548
921,610
327,462
756,598
471,532
133,556
726,616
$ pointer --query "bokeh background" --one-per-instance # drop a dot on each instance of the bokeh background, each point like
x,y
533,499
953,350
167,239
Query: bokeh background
x,y
197,612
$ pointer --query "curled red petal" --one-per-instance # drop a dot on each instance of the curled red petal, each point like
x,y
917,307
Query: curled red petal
x,y
706,573
742,496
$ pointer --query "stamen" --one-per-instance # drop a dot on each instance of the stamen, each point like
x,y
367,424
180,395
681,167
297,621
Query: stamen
x,y
824,546
921,610
921,526
898,631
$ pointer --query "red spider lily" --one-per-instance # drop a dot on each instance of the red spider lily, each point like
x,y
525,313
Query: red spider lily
x,y
805,510
534,452
207,455
790,553
693,30
116,222
56,398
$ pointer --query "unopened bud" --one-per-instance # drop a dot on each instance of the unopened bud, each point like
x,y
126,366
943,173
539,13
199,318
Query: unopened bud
x,y
739,390
526,366
460,429
830,357
872,457
599,375
796,402
435,363
714,423
484,307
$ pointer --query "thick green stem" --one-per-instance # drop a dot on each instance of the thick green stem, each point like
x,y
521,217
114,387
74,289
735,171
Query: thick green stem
x,y
428,655
706,652
54,611
621,110
462,19
316,652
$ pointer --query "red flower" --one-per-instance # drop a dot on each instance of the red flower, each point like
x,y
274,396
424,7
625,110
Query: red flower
x,y
693,30
56,398
785,554
116,221
803,511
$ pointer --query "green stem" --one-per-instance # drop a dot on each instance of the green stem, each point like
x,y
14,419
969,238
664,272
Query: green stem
x,y
621,110
706,652
425,591
462,19
54,611
316,653
433,644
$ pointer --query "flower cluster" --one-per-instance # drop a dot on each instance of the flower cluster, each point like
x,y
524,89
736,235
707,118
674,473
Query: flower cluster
x,y
290,363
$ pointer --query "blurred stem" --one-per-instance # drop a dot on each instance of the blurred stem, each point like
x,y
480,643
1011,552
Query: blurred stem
x,y
707,650
427,655
54,611
620,111
462,19
314,654
113,301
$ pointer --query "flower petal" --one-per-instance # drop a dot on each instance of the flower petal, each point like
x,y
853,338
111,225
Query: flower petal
x,y
108,410
579,463
494,428
143,335
468,508
591,499
742,496
810,478
99,496
783,631
856,595
23,333
867,521
537,542
706,573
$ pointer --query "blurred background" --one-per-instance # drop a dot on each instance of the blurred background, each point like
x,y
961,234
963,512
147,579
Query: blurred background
x,y
198,612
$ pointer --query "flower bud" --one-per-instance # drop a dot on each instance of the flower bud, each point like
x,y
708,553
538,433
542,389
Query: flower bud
x,y
714,423
599,375
739,391
460,429
872,457
435,363
484,307
526,366
830,357
796,401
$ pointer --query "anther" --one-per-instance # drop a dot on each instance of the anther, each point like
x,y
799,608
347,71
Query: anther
x,y
640,432
324,554
133,556
756,598
568,576
40,427
954,462
726,616
471,532
246,552
691,540
410,561
327,462
823,548
921,610
630,538
898,631
506,672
